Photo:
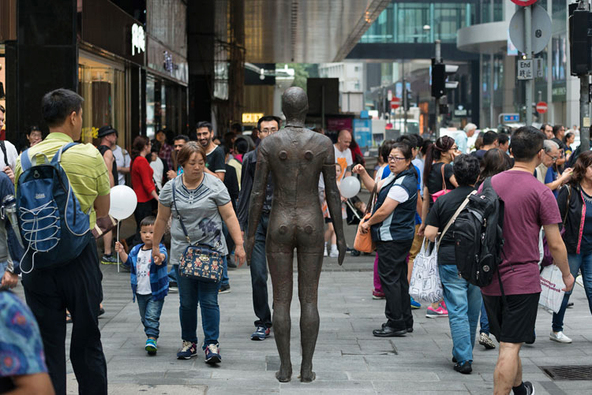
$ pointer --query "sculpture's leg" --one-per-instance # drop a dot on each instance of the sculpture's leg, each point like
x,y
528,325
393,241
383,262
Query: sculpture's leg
x,y
309,271
280,270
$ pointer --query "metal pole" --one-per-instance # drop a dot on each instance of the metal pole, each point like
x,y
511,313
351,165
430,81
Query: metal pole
x,y
528,47
438,60
585,112
405,104
550,116
585,102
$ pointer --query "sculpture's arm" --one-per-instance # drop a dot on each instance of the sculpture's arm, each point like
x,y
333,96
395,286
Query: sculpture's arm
x,y
257,198
334,202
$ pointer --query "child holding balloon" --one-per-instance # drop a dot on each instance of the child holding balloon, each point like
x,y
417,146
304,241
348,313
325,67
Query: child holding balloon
x,y
149,281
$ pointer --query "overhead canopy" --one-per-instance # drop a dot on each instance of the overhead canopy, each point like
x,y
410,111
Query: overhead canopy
x,y
306,31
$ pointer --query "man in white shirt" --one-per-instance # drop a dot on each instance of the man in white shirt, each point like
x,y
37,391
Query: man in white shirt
x,y
462,136
123,160
9,154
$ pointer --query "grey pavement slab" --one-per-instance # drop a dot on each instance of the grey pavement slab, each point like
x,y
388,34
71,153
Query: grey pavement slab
x,y
348,359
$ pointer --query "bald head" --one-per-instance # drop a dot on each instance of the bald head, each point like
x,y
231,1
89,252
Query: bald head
x,y
295,106
344,139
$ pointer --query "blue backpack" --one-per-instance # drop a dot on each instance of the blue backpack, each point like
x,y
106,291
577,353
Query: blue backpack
x,y
53,227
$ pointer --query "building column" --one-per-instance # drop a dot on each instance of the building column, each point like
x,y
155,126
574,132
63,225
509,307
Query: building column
x,y
44,58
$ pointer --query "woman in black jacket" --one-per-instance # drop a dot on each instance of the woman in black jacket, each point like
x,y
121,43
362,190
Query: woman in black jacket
x,y
575,205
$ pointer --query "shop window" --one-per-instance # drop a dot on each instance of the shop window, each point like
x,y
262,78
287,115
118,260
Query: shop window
x,y
103,90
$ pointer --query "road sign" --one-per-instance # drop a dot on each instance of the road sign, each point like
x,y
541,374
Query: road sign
x,y
541,29
539,68
395,103
524,3
524,69
541,107
509,118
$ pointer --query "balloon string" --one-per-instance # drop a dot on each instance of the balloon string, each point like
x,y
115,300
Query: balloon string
x,y
117,240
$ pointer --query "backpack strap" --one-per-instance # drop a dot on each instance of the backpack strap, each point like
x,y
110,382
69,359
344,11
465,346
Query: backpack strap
x,y
57,158
455,215
25,161
3,147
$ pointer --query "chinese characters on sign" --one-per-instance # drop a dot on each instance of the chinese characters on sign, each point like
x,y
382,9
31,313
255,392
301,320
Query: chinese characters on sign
x,y
525,69
138,39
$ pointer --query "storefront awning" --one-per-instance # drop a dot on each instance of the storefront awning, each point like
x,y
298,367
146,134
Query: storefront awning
x,y
306,31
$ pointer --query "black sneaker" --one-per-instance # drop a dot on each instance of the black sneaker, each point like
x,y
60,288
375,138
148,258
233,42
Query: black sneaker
x,y
529,388
463,367
224,289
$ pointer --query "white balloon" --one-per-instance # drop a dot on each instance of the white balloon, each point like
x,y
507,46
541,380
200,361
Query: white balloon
x,y
123,202
349,187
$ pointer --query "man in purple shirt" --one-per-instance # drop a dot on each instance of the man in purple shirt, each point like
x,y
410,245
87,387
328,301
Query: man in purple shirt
x,y
528,205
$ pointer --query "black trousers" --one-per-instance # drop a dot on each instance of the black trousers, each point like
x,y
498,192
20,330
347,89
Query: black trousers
x,y
142,211
392,270
75,286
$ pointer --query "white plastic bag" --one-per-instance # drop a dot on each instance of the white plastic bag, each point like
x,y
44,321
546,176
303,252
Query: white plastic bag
x,y
425,285
551,286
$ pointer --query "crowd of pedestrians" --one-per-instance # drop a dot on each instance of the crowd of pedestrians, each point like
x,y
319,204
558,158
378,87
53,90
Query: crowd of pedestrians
x,y
198,192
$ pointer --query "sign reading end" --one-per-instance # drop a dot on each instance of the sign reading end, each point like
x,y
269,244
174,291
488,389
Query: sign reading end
x,y
524,3
541,107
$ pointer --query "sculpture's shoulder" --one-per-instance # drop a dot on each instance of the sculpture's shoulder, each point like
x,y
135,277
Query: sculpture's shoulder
x,y
320,140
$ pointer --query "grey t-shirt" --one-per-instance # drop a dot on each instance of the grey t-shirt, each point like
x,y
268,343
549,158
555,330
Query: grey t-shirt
x,y
199,210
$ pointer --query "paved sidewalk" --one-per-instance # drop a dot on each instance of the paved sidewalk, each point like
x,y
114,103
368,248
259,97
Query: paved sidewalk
x,y
348,359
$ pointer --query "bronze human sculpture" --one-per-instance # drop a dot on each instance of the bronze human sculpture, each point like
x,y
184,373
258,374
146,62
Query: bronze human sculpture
x,y
296,157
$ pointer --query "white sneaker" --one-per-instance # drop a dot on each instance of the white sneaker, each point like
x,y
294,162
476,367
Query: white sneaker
x,y
334,252
559,337
325,253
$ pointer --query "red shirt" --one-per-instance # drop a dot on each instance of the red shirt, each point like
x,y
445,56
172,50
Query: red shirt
x,y
142,180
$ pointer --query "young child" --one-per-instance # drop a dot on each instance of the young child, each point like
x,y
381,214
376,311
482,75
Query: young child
x,y
150,282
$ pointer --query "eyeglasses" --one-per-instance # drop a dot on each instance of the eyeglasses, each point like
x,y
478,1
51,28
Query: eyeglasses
x,y
552,157
395,158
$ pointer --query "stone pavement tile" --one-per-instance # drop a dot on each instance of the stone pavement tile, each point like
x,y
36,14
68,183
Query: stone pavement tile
x,y
573,387
419,387
126,389
317,385
409,379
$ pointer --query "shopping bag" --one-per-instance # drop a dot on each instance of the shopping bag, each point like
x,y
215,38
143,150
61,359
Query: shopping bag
x,y
363,241
551,288
425,282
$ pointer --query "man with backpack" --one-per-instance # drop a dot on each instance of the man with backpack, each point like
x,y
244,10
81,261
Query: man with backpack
x,y
53,283
512,305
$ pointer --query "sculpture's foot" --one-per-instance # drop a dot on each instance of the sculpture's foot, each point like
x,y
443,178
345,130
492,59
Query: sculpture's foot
x,y
284,375
308,376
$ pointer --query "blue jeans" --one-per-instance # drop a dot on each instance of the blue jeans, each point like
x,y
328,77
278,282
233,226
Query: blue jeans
x,y
206,293
150,314
259,275
463,302
484,321
577,262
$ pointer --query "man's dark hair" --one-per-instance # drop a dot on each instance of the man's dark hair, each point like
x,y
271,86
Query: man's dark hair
x,y
269,118
204,124
502,138
236,127
147,221
57,105
181,137
466,170
241,145
490,137
418,138
526,143
543,127
557,129
408,139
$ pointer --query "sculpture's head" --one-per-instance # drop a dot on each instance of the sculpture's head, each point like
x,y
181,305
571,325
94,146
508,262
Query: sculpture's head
x,y
295,106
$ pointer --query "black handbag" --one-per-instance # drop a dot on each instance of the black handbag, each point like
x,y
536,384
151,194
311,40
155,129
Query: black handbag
x,y
200,261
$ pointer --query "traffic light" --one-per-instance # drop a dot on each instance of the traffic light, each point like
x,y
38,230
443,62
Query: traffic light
x,y
580,40
407,100
440,75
